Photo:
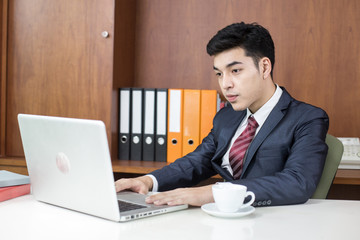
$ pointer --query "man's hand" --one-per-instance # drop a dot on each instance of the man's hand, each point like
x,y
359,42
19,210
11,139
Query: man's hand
x,y
196,196
140,184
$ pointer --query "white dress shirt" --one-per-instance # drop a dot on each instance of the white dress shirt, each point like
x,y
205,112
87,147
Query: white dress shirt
x,y
260,117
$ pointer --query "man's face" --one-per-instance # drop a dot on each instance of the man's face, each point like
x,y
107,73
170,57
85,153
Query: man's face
x,y
240,80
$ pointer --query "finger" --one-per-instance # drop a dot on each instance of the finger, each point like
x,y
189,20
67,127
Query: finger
x,y
124,184
169,198
175,202
151,199
142,190
157,199
121,184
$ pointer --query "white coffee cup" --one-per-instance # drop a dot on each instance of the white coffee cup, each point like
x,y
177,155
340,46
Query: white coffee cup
x,y
230,197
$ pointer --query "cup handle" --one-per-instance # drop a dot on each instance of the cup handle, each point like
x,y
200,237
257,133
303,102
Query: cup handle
x,y
249,193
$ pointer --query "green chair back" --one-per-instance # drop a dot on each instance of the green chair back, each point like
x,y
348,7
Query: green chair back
x,y
332,162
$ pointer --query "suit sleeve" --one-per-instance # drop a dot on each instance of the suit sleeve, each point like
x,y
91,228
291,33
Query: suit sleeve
x,y
199,164
190,169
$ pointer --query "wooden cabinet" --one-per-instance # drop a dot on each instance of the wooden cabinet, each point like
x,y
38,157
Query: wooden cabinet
x,y
63,58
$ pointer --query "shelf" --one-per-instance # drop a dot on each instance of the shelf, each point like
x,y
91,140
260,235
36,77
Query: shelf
x,y
343,176
347,177
119,166
137,167
14,164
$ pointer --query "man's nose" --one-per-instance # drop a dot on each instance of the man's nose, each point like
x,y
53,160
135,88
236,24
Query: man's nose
x,y
227,82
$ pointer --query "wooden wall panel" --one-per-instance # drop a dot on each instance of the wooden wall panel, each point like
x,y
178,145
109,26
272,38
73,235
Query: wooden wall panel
x,y
2,112
317,48
3,54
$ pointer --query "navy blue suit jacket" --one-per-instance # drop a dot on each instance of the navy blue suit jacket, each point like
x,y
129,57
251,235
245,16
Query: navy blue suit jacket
x,y
283,164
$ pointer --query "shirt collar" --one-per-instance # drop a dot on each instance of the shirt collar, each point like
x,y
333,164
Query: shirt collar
x,y
261,114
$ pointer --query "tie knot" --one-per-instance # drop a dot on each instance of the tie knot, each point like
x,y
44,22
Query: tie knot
x,y
253,122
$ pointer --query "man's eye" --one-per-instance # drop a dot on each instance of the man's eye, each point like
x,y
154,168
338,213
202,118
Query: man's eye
x,y
218,74
236,70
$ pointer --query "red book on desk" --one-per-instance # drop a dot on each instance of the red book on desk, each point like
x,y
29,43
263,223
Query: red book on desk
x,y
7,193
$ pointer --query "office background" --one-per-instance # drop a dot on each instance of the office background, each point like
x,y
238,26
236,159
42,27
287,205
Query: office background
x,y
56,58
317,48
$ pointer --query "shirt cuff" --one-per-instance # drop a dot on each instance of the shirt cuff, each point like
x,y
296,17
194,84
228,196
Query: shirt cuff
x,y
155,183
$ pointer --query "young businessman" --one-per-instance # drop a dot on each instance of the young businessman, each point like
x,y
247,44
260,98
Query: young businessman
x,y
287,151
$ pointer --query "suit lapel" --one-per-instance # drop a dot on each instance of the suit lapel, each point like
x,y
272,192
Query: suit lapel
x,y
231,123
271,122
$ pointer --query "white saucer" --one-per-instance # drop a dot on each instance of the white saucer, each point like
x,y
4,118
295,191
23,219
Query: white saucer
x,y
211,209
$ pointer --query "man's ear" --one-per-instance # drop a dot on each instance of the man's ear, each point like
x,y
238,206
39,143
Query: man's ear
x,y
265,67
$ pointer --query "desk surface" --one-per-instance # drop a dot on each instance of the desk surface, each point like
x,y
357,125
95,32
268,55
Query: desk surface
x,y
25,218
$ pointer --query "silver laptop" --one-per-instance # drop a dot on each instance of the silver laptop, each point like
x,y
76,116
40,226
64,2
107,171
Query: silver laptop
x,y
69,165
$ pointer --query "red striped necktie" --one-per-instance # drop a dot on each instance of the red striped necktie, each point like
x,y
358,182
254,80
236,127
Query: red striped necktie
x,y
241,144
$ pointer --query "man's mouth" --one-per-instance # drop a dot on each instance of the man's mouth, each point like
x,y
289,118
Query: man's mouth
x,y
231,97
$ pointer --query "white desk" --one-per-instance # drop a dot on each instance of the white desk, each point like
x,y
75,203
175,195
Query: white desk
x,y
25,218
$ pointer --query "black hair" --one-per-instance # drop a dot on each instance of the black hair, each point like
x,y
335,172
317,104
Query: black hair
x,y
254,39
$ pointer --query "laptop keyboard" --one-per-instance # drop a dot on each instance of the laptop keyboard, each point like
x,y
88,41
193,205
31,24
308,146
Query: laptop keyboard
x,y
127,206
